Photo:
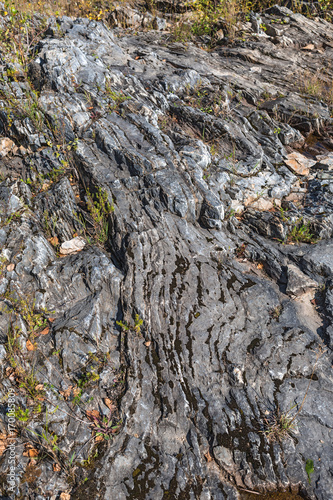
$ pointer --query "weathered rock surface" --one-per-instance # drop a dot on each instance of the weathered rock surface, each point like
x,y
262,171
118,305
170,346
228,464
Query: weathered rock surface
x,y
177,137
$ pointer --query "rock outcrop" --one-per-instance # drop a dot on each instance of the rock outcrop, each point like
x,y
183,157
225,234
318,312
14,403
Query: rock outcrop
x,y
194,306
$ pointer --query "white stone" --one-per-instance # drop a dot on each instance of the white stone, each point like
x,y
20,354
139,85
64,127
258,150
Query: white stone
x,y
72,246
6,145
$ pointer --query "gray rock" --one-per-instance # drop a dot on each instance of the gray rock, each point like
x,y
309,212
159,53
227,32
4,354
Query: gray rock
x,y
298,283
182,325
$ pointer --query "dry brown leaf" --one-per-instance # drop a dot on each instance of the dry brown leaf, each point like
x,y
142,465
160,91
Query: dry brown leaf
x,y
65,496
109,403
51,320
10,267
310,46
3,443
45,331
67,392
54,241
93,413
30,451
30,345
76,391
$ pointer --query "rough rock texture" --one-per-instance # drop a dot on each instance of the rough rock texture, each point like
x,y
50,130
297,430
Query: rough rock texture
x,y
234,321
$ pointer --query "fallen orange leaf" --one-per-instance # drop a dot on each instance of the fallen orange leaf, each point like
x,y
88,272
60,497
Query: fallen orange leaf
x,y
93,413
65,496
54,241
109,404
30,345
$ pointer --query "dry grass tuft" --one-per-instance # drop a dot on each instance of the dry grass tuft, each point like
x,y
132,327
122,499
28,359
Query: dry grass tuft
x,y
92,9
318,85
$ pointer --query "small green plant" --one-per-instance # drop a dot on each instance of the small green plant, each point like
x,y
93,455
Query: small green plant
x,y
13,345
301,233
208,12
90,460
318,85
38,409
99,209
276,312
26,308
181,32
22,415
30,383
136,327
309,468
49,442
116,97
230,213
103,427
49,223
240,251
88,376
18,108
77,398
231,159
283,215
